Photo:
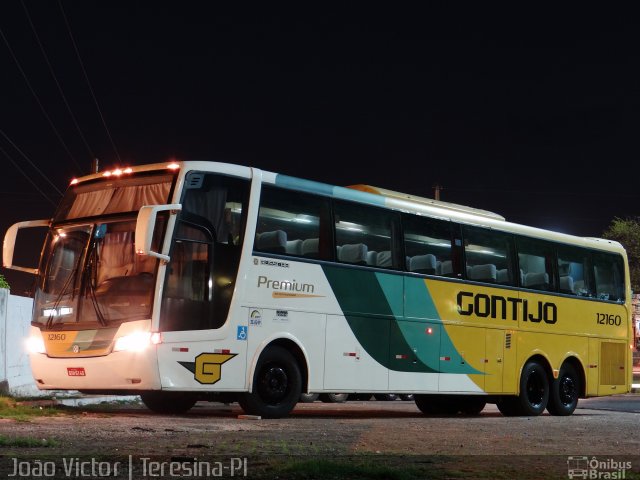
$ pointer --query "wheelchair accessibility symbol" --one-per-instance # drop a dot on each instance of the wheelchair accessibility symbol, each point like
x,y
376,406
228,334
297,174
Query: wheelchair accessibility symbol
x,y
242,332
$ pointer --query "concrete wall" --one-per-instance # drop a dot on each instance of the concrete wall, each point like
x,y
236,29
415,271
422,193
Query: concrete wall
x,y
15,319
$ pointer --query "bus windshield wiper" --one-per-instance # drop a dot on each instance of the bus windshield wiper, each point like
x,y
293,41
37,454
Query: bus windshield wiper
x,y
61,295
90,280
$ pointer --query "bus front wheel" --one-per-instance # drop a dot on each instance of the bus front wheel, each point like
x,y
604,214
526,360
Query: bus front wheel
x,y
277,385
534,393
565,391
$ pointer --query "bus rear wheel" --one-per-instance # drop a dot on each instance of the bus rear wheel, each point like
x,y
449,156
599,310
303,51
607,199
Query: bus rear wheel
x,y
277,385
534,393
171,403
565,391
334,397
309,397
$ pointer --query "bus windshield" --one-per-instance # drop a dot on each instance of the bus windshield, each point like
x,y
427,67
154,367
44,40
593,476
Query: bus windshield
x,y
90,274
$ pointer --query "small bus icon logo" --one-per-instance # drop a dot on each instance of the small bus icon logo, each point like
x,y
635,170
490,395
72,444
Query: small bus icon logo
x,y
578,467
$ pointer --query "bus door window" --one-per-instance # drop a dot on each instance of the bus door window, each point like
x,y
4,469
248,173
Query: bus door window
x,y
205,253
536,260
488,255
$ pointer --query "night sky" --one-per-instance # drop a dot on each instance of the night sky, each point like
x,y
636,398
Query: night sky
x,y
529,114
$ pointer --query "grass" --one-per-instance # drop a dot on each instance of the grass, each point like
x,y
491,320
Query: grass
x,y
26,442
10,408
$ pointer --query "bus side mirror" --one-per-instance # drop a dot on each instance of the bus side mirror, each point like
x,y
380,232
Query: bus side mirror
x,y
145,226
9,244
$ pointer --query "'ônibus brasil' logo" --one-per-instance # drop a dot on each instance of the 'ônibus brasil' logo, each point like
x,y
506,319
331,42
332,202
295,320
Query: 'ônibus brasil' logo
x,y
207,369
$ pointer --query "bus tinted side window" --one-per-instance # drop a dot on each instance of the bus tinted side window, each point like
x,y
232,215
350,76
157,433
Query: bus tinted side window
x,y
427,243
574,265
536,259
364,235
291,223
488,255
608,272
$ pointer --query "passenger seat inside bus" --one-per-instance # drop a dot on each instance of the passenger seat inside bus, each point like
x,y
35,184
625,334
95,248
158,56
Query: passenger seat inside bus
x,y
483,273
310,247
383,259
423,264
355,253
294,247
272,242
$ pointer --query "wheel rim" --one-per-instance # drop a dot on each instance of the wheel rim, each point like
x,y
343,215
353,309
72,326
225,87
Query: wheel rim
x,y
274,383
567,390
535,388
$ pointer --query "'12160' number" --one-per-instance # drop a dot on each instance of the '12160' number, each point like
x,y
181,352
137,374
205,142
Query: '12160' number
x,y
607,319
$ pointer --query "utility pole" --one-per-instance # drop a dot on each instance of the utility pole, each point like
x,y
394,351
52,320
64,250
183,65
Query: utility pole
x,y
436,191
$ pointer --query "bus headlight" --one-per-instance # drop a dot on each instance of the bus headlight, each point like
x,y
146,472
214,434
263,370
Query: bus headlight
x,y
35,344
136,342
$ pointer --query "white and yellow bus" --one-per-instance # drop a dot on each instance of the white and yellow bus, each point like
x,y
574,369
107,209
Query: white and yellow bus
x,y
184,281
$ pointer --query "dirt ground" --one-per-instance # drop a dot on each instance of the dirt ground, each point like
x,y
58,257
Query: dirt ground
x,y
350,440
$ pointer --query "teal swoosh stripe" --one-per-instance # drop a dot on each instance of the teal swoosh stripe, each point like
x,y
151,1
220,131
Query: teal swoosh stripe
x,y
377,310
369,314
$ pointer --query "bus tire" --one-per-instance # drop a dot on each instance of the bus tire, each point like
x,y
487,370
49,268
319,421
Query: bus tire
x,y
472,405
435,404
277,385
385,397
334,397
534,393
309,397
407,397
565,391
171,403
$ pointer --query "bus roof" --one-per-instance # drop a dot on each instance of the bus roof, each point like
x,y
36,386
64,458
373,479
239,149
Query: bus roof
x,y
426,201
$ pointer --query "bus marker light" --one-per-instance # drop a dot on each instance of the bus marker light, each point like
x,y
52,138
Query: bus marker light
x,y
134,380
74,181
349,354
180,349
445,359
224,351
402,357
428,331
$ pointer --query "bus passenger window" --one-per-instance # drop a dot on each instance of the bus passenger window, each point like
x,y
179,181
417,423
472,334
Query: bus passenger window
x,y
291,223
364,235
536,259
574,265
427,244
488,256
608,275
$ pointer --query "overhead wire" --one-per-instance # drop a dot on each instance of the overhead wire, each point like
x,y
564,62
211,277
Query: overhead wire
x,y
55,78
104,123
15,164
35,95
30,162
